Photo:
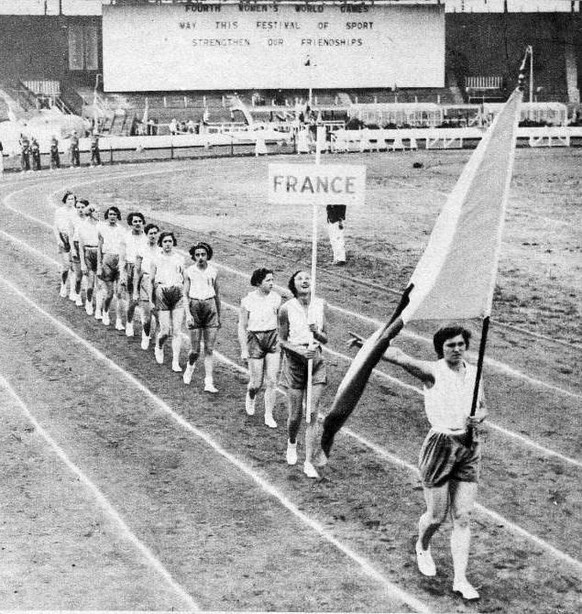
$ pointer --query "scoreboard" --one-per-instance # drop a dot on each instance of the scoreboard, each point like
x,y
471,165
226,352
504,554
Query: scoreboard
x,y
204,46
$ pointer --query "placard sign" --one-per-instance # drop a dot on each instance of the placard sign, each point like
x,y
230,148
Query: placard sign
x,y
320,184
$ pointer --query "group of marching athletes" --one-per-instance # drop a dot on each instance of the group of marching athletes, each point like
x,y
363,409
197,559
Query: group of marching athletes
x,y
140,267
112,269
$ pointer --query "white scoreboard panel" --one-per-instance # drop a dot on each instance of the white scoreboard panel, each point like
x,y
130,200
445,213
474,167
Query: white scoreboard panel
x,y
271,46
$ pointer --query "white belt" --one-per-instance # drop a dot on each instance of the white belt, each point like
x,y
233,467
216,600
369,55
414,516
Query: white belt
x,y
445,431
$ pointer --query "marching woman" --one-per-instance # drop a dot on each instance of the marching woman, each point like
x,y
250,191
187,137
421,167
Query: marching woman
x,y
202,311
142,289
134,240
450,457
302,330
63,230
258,338
111,235
88,245
77,278
167,277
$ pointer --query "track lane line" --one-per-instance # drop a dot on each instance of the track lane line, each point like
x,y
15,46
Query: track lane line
x,y
368,568
500,366
102,501
516,529
510,434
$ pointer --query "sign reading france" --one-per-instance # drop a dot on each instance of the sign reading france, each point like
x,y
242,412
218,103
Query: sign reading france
x,y
320,184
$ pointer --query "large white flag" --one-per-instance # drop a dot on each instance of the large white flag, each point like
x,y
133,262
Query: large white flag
x,y
455,277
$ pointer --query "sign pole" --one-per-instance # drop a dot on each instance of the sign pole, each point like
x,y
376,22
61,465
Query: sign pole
x,y
308,400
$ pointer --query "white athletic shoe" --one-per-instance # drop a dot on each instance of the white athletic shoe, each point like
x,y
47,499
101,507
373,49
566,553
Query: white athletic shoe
x,y
63,291
424,561
270,421
310,471
159,354
79,301
250,404
119,324
291,453
187,377
98,314
209,386
129,329
106,321
89,308
145,341
176,367
72,294
467,592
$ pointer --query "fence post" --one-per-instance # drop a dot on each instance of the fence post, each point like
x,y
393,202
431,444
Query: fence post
x,y
110,153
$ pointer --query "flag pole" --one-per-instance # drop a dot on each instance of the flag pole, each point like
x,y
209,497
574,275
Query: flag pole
x,y
309,392
486,319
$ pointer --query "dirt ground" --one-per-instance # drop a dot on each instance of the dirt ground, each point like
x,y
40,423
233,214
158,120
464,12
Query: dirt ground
x,y
126,490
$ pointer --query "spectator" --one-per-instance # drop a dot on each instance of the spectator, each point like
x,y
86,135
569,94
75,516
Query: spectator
x,y
24,153
35,153
55,159
336,217
74,148
95,152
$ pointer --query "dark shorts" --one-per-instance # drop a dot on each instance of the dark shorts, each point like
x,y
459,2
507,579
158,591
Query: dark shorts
x,y
294,371
65,243
444,457
91,258
168,298
204,313
145,288
261,343
129,272
75,256
110,267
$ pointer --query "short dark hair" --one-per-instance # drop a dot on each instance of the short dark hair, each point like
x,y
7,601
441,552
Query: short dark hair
x,y
83,201
134,214
448,332
165,234
291,284
115,210
67,194
259,275
201,245
150,226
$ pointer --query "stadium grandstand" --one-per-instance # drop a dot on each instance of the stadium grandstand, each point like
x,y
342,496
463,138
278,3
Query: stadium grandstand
x,y
126,67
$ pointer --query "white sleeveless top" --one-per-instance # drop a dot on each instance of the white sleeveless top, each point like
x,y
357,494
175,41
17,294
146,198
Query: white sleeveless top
x,y
88,233
76,222
448,402
299,319
201,282
262,310
64,218
133,244
147,253
112,237
169,269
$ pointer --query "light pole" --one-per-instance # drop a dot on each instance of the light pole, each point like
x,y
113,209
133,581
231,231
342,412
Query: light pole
x,y
309,74
531,84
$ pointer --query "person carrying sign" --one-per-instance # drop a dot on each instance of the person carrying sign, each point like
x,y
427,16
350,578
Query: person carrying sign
x,y
336,218
302,331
